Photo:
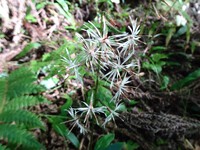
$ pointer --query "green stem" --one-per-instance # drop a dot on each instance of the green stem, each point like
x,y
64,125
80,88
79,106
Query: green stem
x,y
4,96
95,95
94,104
96,86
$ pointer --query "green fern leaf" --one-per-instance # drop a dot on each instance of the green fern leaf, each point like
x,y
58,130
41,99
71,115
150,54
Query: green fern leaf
x,y
27,118
19,137
18,90
22,74
3,147
35,88
3,93
16,94
21,82
24,102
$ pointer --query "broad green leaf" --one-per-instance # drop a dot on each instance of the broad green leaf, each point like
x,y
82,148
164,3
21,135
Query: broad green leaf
x,y
181,31
130,145
158,48
61,129
2,147
147,65
104,83
157,57
104,94
187,80
115,146
67,105
104,142
28,48
133,102
171,32
157,68
165,82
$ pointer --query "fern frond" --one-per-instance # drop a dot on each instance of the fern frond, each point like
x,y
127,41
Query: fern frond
x,y
27,118
24,102
3,147
19,137
3,93
15,91
18,90
21,75
20,82
35,88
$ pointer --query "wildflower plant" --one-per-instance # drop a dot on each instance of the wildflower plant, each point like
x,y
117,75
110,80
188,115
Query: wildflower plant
x,y
75,121
105,57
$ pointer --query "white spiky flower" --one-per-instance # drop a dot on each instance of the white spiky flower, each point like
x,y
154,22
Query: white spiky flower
x,y
117,67
103,41
76,121
72,65
131,39
121,88
90,111
113,113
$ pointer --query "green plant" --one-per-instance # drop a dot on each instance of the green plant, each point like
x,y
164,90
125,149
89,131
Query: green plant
x,y
186,80
18,92
104,142
175,26
156,62
110,60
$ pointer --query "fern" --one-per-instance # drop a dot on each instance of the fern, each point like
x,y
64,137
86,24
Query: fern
x,y
15,81
3,147
21,117
19,137
24,102
16,94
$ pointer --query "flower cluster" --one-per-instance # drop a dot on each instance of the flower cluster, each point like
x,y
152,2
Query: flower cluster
x,y
111,58
111,52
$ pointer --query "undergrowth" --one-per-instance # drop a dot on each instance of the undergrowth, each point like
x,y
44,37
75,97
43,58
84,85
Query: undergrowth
x,y
18,92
